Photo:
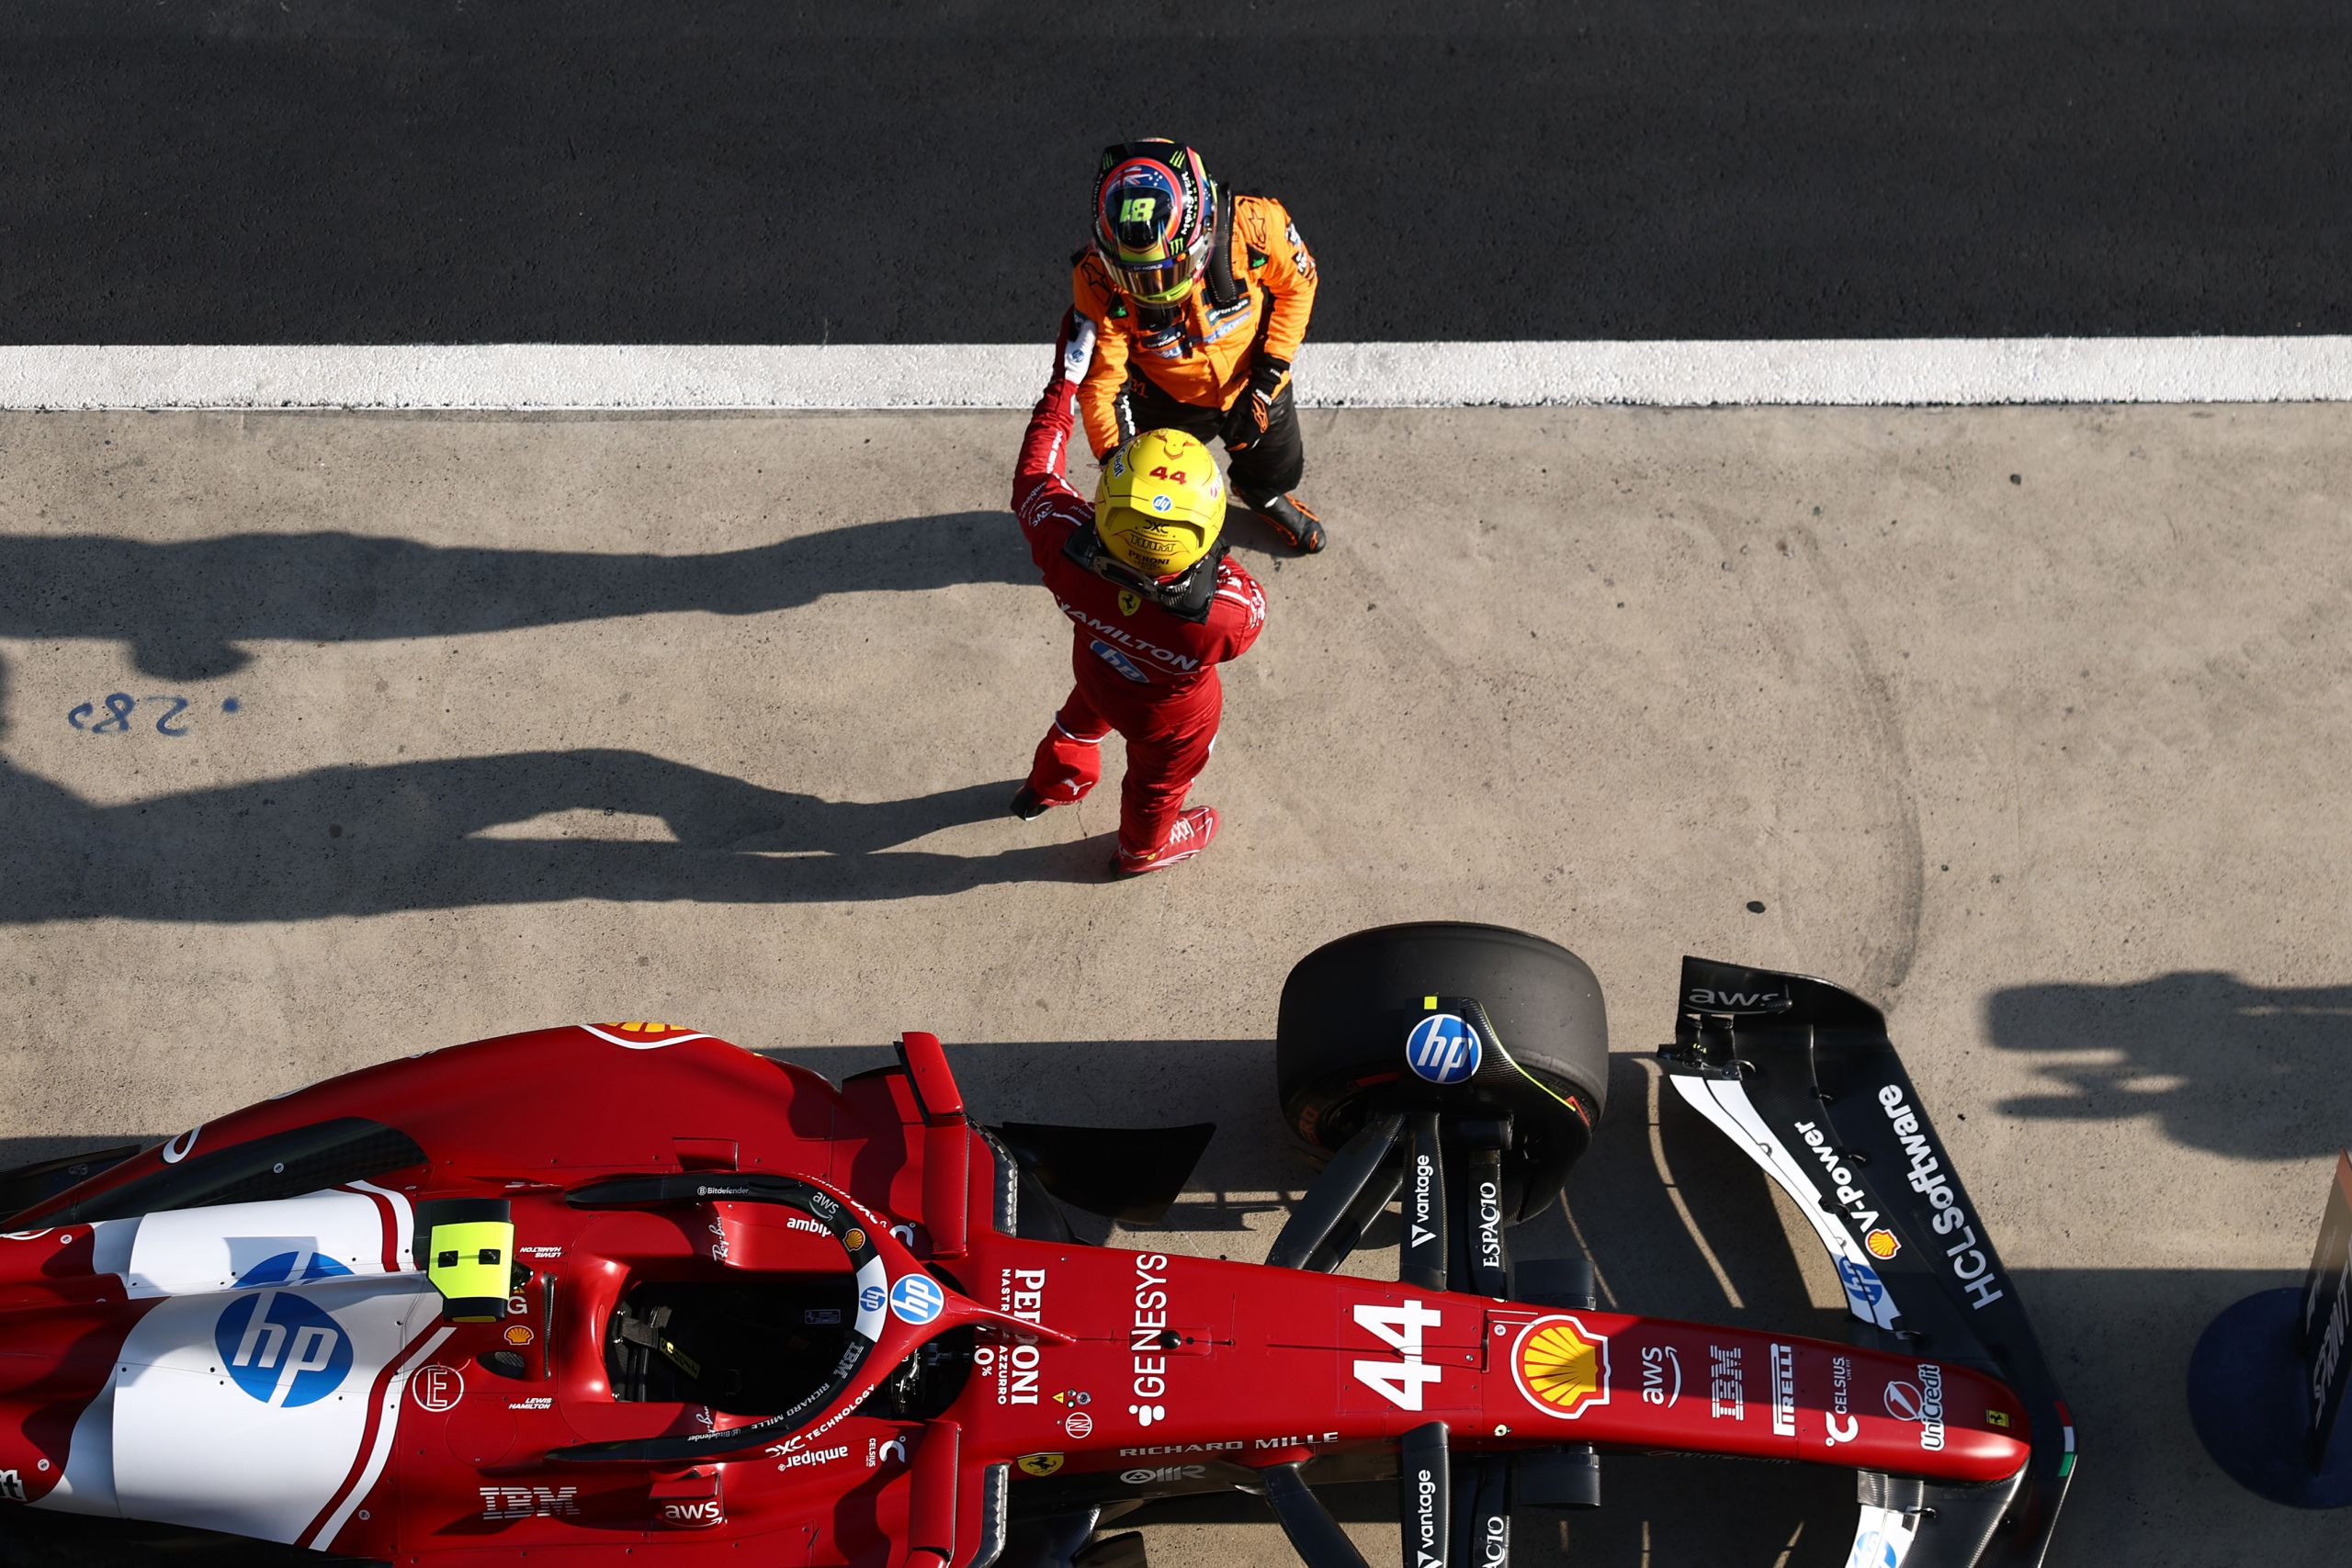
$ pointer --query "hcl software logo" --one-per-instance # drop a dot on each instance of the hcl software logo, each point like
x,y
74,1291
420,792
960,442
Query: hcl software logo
x,y
281,1347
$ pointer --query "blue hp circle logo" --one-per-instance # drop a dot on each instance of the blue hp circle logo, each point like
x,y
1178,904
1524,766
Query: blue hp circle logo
x,y
282,1348
917,1299
1442,1049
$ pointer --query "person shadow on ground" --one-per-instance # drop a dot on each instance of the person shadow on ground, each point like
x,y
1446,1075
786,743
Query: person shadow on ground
x,y
370,839
183,607
2247,1070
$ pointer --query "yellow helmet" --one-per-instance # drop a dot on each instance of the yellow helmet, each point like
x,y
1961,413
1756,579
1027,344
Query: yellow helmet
x,y
1159,504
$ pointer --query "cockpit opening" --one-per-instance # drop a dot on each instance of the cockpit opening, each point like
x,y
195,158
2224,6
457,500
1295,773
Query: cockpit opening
x,y
749,1347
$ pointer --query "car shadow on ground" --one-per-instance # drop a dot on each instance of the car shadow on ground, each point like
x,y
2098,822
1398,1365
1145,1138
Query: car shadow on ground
x,y
182,608
371,841
2254,1072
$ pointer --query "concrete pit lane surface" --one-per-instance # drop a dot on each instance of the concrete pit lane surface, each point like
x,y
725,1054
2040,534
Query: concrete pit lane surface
x,y
330,738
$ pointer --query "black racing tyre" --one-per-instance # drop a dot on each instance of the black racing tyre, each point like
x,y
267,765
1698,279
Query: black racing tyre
x,y
1347,1008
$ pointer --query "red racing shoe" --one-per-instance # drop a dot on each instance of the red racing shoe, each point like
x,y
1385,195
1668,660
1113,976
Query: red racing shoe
x,y
1195,826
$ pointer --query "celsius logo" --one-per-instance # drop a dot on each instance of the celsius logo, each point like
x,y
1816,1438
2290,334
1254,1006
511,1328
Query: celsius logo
x,y
281,1347
1442,1049
916,1299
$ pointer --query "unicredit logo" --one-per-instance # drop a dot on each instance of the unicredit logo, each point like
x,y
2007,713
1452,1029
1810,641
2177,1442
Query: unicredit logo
x,y
1903,1401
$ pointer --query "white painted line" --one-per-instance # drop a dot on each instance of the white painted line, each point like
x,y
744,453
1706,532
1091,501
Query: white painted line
x,y
1361,375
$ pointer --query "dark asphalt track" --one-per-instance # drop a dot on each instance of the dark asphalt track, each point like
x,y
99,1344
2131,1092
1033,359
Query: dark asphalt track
x,y
382,170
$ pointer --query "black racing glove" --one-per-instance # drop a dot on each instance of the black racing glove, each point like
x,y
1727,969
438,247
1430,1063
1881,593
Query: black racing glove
x,y
1253,410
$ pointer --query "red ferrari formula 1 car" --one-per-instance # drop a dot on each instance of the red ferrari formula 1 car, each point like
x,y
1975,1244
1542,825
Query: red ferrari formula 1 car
x,y
683,1304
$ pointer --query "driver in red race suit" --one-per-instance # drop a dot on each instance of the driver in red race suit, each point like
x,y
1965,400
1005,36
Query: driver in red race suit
x,y
1154,607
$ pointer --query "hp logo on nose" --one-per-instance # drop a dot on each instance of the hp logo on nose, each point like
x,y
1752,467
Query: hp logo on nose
x,y
1442,1049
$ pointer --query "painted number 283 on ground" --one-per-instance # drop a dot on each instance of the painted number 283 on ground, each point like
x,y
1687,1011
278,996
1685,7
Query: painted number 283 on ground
x,y
119,705
1402,1328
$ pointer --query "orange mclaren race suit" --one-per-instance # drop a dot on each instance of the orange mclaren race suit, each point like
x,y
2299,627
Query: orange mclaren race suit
x,y
1141,669
1183,368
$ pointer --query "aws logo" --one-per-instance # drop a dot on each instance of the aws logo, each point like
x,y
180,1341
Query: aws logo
x,y
1561,1366
1707,999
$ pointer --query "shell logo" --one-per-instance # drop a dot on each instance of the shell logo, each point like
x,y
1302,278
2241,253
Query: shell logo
x,y
1561,1366
1883,1244
642,1027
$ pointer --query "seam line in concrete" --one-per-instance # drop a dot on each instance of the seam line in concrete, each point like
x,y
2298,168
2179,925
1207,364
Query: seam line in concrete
x,y
556,376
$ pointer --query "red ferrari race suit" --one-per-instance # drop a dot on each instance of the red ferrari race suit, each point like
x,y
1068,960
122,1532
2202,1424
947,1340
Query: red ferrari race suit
x,y
1141,669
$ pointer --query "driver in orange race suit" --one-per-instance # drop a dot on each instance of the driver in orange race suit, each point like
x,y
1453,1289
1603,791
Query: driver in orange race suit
x,y
1200,298
1154,607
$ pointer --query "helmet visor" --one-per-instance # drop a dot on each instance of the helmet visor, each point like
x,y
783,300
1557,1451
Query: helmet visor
x,y
1159,278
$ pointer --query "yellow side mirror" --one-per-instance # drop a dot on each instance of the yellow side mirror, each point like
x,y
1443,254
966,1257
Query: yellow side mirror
x,y
469,1255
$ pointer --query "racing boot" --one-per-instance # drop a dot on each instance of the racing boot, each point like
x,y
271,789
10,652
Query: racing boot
x,y
1195,826
1299,528
1028,805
